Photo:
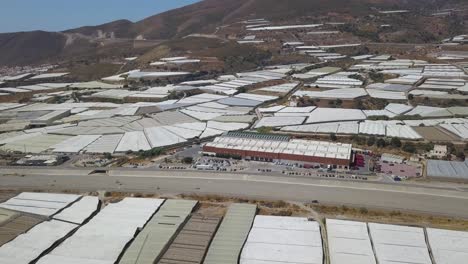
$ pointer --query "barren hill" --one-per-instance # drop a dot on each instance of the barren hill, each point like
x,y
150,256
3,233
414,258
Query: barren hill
x,y
202,17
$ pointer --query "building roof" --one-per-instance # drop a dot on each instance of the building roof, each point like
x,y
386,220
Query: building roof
x,y
191,243
133,141
399,244
104,237
298,147
31,245
157,234
75,144
334,127
34,143
448,246
283,240
349,242
259,136
390,95
105,144
49,75
231,235
323,115
280,121
15,224
45,204
447,169
341,93
79,211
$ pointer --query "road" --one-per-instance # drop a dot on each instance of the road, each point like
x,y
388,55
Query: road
x,y
436,201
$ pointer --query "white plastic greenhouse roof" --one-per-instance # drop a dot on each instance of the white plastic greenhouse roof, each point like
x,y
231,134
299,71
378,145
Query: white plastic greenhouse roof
x,y
283,240
133,141
349,242
460,130
160,137
271,109
402,131
29,246
80,211
323,115
202,116
398,108
371,128
448,247
227,126
284,27
342,93
381,94
424,110
399,244
103,238
75,144
282,88
183,132
210,132
39,203
49,75
379,113
105,144
297,109
279,121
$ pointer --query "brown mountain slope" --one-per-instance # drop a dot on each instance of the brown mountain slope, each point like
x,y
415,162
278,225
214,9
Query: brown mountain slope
x,y
115,29
29,47
205,16
201,17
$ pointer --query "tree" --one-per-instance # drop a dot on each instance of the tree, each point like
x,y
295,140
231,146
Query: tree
x,y
333,137
151,153
187,160
242,89
381,143
377,77
411,97
359,104
358,140
395,142
409,147
107,155
428,146
371,141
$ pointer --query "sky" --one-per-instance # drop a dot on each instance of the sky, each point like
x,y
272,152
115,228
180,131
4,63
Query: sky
x,y
57,15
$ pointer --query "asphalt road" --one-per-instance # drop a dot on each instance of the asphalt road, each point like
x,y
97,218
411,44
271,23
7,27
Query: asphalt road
x,y
435,201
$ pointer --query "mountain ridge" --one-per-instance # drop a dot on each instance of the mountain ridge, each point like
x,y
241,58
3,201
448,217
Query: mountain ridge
x,y
200,17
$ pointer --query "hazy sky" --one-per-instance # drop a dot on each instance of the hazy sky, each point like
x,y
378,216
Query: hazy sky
x,y
57,15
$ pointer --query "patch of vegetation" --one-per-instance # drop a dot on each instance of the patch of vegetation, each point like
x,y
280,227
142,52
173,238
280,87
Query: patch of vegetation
x,y
381,143
264,130
377,77
409,147
151,153
371,141
378,118
358,140
395,142
187,160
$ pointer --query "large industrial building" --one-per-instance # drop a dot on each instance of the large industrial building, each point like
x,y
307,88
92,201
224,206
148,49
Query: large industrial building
x,y
272,148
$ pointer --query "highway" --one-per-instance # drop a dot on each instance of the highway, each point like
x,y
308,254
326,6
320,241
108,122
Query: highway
x,y
435,201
